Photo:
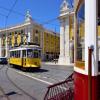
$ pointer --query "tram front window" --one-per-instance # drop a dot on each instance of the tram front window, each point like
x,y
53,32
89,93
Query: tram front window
x,y
33,53
30,53
37,53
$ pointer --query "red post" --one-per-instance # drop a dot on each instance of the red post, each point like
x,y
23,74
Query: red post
x,y
90,73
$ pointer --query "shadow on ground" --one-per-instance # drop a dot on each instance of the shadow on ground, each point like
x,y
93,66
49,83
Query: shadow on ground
x,y
30,70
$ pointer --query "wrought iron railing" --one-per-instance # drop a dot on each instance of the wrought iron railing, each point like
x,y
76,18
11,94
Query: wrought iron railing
x,y
61,91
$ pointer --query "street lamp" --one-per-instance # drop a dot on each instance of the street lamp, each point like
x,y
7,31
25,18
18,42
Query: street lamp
x,y
55,47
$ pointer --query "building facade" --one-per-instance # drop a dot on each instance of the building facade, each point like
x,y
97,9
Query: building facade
x,y
29,32
51,42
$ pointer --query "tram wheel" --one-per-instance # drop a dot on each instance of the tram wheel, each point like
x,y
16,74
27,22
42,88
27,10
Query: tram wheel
x,y
23,69
11,65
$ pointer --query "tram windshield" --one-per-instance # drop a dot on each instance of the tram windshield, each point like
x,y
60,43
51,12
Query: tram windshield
x,y
80,33
33,53
37,53
30,53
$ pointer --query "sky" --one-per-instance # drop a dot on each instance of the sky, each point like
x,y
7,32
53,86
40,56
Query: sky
x,y
42,11
80,14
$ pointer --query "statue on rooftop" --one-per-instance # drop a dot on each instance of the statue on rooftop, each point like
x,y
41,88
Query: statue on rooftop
x,y
28,16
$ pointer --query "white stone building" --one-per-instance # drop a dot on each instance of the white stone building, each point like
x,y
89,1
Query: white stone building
x,y
66,34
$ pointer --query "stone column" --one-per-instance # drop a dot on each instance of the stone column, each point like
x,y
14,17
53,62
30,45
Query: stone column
x,y
7,47
67,41
62,48
62,40
64,58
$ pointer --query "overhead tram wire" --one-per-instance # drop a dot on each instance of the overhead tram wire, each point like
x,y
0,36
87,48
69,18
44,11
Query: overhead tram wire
x,y
10,12
13,11
6,22
23,15
3,15
49,21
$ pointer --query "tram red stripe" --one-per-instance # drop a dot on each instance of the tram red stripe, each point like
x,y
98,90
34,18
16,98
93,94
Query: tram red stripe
x,y
81,87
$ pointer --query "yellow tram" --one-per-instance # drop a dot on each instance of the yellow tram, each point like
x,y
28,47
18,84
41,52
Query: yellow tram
x,y
26,56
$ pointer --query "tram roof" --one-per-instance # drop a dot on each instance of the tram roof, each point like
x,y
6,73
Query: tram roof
x,y
23,47
77,3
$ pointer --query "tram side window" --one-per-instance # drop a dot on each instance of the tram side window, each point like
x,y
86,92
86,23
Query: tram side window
x,y
14,54
11,54
19,54
30,53
39,53
24,53
36,54
81,33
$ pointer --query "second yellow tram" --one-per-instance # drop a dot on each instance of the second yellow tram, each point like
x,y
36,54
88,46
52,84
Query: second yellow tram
x,y
27,56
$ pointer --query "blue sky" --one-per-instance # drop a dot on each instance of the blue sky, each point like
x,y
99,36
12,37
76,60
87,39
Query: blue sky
x,y
41,11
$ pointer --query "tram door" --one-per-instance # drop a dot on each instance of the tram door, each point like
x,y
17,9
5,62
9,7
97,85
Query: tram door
x,y
23,58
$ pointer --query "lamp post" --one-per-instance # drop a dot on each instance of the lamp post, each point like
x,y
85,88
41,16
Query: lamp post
x,y
55,46
8,45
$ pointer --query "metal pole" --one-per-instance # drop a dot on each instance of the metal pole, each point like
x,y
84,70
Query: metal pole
x,y
90,73
55,46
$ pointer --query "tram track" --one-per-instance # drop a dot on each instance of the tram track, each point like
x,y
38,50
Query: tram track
x,y
2,67
47,76
18,87
2,90
3,94
60,67
15,85
42,74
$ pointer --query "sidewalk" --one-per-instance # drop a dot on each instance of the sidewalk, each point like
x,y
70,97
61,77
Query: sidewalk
x,y
56,63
